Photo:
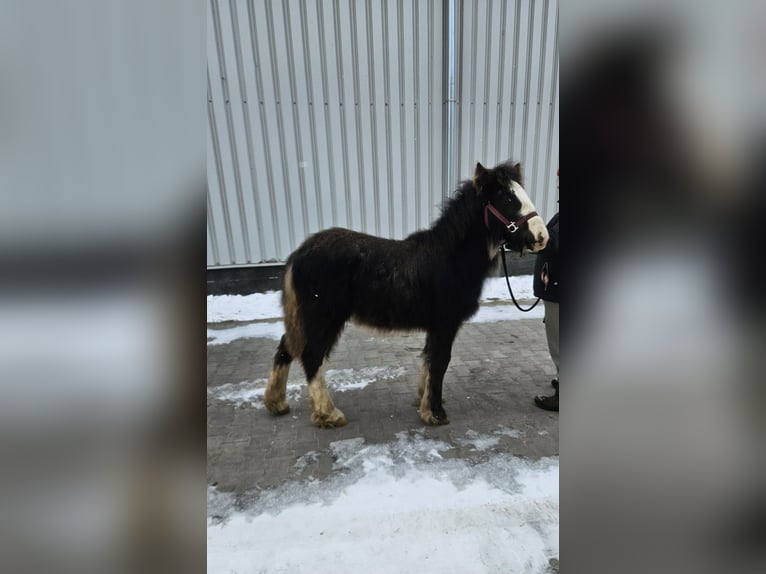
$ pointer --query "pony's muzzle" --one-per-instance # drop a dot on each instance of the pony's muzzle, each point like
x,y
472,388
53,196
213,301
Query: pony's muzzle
x,y
537,235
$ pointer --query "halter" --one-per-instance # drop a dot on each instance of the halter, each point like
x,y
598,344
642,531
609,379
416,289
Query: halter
x,y
511,226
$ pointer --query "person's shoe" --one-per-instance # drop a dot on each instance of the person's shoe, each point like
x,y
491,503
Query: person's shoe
x,y
555,384
549,403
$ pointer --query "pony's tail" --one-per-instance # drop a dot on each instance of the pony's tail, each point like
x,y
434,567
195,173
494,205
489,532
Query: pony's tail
x,y
295,337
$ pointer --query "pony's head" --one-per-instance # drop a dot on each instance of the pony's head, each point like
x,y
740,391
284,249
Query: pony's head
x,y
509,215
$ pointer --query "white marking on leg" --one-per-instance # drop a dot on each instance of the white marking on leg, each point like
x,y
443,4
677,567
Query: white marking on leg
x,y
324,414
274,398
425,399
423,380
318,394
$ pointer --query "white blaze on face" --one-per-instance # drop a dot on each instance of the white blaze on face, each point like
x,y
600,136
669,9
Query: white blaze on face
x,y
536,224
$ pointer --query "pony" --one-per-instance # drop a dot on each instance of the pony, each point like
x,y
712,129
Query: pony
x,y
430,281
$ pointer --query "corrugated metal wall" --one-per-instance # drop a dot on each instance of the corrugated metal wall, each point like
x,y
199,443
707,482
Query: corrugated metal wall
x,y
332,112
508,91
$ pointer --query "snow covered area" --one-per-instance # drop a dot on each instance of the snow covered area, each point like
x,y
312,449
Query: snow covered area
x,y
250,393
494,313
262,306
495,289
244,307
354,379
484,442
395,507
410,505
266,330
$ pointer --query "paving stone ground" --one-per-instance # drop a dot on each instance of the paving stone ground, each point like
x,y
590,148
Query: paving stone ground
x,y
495,371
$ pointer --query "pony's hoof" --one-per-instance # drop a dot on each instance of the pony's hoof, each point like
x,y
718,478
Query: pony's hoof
x,y
277,407
335,419
434,419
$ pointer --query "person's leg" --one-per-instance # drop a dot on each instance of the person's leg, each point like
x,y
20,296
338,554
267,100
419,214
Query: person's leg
x,y
552,332
551,402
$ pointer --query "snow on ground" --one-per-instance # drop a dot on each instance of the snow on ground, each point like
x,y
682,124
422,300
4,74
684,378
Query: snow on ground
x,y
494,313
353,379
244,307
402,506
260,306
484,442
250,393
394,507
495,288
267,330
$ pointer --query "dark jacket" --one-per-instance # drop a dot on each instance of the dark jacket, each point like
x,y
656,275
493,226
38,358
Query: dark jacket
x,y
548,262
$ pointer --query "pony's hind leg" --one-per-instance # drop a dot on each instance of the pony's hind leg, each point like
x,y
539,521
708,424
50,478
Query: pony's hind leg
x,y
425,372
426,355
275,397
324,413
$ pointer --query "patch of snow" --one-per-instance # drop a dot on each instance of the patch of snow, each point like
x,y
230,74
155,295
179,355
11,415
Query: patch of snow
x,y
433,454
267,330
306,459
495,288
505,431
495,313
394,507
249,393
244,307
478,441
409,449
353,379
219,504
341,380
483,442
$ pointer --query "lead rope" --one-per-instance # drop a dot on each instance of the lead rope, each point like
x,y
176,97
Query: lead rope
x,y
508,282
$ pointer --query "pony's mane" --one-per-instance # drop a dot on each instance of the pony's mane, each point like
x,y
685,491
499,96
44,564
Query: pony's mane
x,y
459,214
462,212
508,171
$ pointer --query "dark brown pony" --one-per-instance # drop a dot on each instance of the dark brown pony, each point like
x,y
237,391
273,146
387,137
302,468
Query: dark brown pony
x,y
429,281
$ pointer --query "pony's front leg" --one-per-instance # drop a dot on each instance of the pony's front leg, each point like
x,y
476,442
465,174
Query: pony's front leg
x,y
439,349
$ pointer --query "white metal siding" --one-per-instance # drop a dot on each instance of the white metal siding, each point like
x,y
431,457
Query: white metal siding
x,y
508,91
332,112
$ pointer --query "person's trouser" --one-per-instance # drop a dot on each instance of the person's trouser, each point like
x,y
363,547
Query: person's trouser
x,y
552,331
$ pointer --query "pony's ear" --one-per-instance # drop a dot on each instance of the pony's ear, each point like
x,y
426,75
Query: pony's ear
x,y
516,172
480,177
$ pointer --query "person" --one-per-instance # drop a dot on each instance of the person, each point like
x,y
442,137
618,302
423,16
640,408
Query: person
x,y
546,286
